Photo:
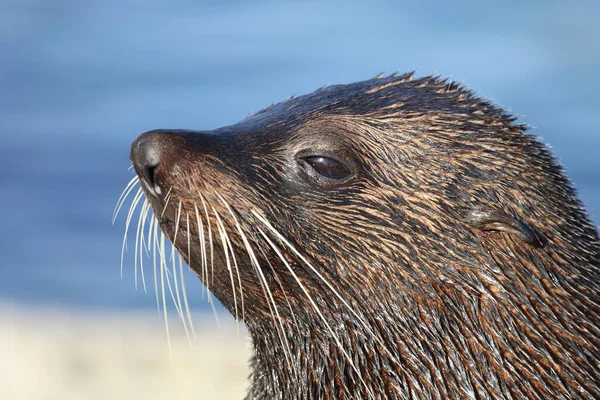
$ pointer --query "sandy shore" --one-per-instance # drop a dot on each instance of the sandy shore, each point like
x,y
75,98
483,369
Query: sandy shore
x,y
50,354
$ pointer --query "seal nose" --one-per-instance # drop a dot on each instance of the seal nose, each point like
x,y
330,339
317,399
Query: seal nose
x,y
146,157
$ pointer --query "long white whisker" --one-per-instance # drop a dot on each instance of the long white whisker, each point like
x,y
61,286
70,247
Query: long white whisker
x,y
164,269
328,284
210,241
177,220
265,286
144,245
223,234
185,301
162,285
189,244
237,271
181,277
139,235
172,273
214,309
123,197
167,199
287,300
176,298
212,263
235,264
204,266
165,272
179,305
132,208
315,307
155,248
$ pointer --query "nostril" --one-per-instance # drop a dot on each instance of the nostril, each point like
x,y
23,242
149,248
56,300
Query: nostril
x,y
146,157
148,173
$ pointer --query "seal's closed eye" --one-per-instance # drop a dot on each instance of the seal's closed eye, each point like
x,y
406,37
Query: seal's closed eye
x,y
498,220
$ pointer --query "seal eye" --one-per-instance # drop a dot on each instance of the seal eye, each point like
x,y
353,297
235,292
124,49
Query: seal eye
x,y
328,167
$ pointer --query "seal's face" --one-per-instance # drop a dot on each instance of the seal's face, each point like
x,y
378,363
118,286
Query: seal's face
x,y
390,201
278,188
351,183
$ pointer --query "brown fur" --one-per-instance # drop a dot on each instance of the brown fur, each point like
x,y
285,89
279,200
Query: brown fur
x,y
456,263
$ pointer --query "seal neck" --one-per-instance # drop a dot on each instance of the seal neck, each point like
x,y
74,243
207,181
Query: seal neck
x,y
460,349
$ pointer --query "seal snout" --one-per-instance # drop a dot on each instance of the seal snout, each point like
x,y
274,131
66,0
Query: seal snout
x,y
146,157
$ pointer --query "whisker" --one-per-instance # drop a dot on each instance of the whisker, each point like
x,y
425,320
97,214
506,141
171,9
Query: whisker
x,y
177,297
235,264
237,271
123,197
147,244
155,248
182,279
287,300
132,208
212,263
204,266
189,244
167,199
212,385
265,286
214,309
162,286
139,235
222,233
210,241
178,305
165,271
329,285
185,299
177,220
144,245
171,273
315,307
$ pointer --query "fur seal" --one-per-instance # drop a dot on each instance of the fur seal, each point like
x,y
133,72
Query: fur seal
x,y
395,238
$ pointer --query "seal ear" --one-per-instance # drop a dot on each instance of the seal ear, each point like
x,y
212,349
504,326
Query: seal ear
x,y
498,220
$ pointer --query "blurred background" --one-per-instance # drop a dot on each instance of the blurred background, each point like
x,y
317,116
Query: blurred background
x,y
79,80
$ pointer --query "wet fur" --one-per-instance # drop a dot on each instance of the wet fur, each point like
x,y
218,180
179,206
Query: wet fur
x,y
458,263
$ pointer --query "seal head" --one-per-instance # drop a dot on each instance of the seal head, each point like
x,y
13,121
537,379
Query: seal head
x,y
392,238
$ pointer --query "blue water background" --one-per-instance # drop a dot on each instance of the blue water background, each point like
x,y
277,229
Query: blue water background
x,y
80,79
